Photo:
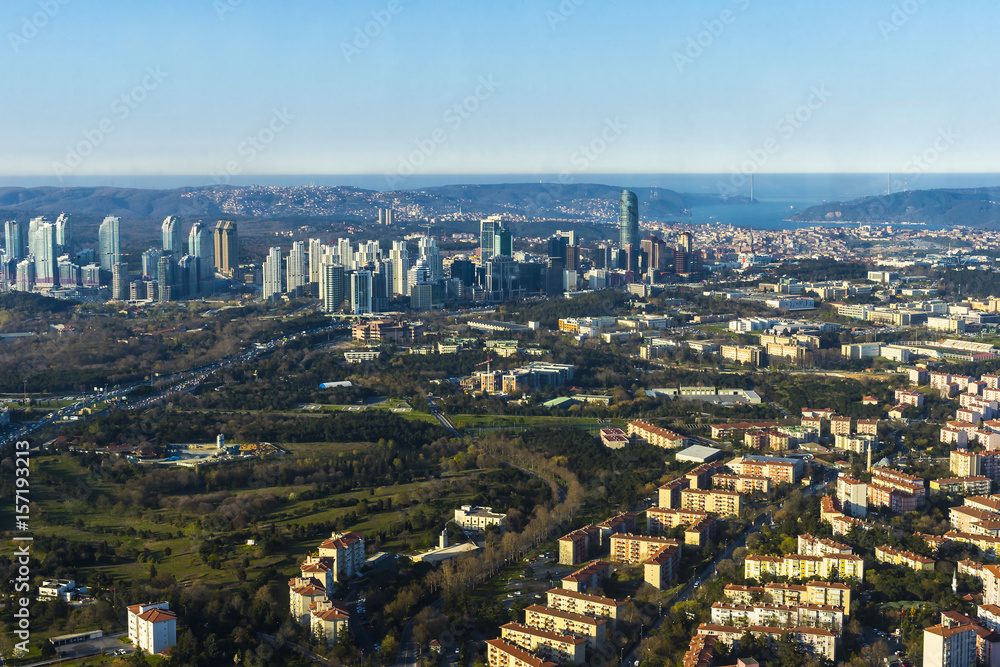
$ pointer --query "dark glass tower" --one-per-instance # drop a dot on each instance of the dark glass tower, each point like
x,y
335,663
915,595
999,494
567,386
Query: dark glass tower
x,y
628,219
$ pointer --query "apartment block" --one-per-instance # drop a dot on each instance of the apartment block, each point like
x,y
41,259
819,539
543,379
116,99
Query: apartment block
x,y
868,426
743,354
662,520
832,566
778,470
587,605
655,435
591,576
723,503
950,646
669,494
589,628
347,551
559,648
904,558
327,619
152,627
701,476
500,653
660,570
962,486
621,523
576,547
840,425
817,641
303,593
809,545
634,549
853,496
784,616
830,594
742,483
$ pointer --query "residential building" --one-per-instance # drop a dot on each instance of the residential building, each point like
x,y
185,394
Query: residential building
x,y
227,248
655,435
853,496
746,484
577,546
716,501
779,470
950,646
591,628
152,627
327,620
620,523
809,545
904,558
744,354
588,577
500,653
962,486
831,566
561,648
582,603
348,552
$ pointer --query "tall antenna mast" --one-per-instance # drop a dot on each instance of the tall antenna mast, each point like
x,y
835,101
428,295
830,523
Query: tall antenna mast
x,y
888,184
751,188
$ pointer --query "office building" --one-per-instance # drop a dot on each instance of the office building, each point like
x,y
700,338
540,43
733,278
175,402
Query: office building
x,y
628,219
487,237
167,277
428,251
200,247
227,248
119,282
499,282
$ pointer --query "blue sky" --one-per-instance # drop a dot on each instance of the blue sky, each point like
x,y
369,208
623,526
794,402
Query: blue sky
x,y
649,87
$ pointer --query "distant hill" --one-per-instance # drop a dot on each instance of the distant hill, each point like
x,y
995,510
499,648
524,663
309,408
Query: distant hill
x,y
976,207
522,200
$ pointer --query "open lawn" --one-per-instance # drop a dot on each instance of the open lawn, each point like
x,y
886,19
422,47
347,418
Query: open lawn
x,y
490,422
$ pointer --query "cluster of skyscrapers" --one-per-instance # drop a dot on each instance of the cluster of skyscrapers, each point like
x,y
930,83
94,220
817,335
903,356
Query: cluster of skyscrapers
x,y
358,278
42,257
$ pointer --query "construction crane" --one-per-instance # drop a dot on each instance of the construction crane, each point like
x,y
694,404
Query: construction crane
x,y
485,363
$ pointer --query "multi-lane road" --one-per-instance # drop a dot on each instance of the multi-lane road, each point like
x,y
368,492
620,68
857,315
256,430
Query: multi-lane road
x,y
118,398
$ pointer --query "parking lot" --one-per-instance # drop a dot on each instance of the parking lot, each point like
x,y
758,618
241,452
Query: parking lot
x,y
94,646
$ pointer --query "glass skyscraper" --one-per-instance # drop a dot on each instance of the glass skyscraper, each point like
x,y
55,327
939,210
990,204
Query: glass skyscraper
x,y
628,219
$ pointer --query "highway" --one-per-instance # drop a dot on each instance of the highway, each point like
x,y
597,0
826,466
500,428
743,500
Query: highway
x,y
118,397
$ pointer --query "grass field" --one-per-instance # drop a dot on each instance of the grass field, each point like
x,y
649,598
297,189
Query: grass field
x,y
83,520
507,422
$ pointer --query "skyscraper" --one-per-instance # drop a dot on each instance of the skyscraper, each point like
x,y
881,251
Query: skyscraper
x,y
297,269
166,277
227,248
400,256
503,241
171,234
628,219
15,243
42,246
429,252
63,235
119,282
315,261
331,287
272,273
200,247
109,244
361,292
487,237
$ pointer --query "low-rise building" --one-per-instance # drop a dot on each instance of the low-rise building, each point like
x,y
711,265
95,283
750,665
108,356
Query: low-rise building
x,y
475,519
655,435
904,558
